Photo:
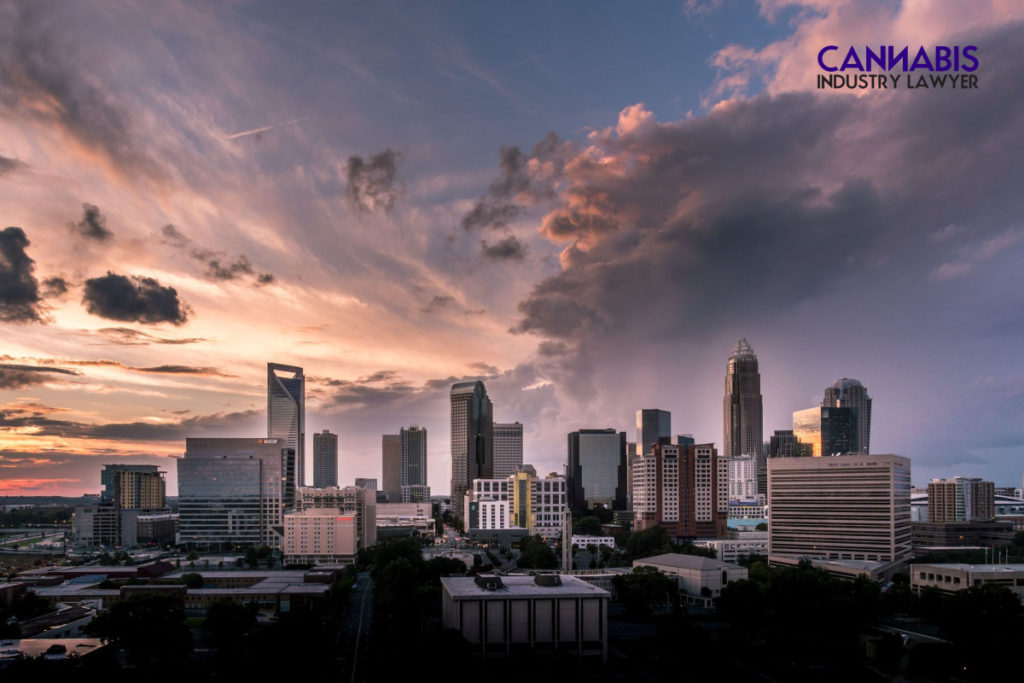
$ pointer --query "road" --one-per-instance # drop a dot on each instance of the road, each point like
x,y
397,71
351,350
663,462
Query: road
x,y
355,633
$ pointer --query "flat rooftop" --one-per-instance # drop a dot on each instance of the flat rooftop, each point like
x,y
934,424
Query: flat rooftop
x,y
963,566
680,561
522,586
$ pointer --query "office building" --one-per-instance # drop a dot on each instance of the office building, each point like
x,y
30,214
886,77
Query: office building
x,y
826,431
350,500
366,483
853,507
961,499
391,466
742,409
137,487
325,459
521,501
850,393
511,613
784,444
286,412
652,426
695,575
404,519
319,536
683,488
413,466
508,448
743,478
415,493
234,492
596,469
472,438
953,577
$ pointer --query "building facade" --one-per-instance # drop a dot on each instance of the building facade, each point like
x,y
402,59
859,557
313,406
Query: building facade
x,y
961,499
742,408
472,438
413,472
596,469
523,501
286,412
508,448
743,478
683,488
850,393
852,507
234,492
350,500
391,466
827,431
325,459
138,487
319,536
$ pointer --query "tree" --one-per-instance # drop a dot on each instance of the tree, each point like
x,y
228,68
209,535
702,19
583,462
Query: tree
x,y
534,553
761,526
588,526
227,621
192,580
149,627
641,589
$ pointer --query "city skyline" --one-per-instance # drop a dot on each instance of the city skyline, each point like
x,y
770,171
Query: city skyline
x,y
587,235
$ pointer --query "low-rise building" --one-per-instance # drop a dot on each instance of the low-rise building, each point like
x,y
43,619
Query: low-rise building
x,y
584,541
730,550
503,614
953,577
694,574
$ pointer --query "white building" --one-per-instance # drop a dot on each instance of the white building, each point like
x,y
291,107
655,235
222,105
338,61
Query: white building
x,y
319,536
742,477
354,500
730,550
415,515
584,541
693,574
522,500
953,577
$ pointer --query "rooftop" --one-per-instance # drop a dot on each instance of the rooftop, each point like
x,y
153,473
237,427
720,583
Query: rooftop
x,y
522,586
680,561
963,566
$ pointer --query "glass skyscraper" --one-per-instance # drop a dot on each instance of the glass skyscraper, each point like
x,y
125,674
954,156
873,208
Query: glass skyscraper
x,y
742,410
413,463
596,469
472,438
850,393
508,448
286,412
325,459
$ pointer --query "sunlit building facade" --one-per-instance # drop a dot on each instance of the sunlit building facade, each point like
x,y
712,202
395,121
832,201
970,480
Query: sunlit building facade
x,y
850,393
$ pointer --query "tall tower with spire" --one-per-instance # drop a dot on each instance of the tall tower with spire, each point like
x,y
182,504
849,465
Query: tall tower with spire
x,y
742,410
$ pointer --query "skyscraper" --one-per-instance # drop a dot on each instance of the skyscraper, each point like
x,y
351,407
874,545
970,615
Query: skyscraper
x,y
683,488
850,393
508,448
472,438
286,412
826,431
596,469
325,459
652,426
391,466
742,409
413,465
133,486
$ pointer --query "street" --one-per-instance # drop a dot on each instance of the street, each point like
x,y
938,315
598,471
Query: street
x,y
354,637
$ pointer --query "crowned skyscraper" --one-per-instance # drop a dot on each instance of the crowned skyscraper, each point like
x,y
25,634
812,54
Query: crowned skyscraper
x,y
850,393
742,410
472,438
286,412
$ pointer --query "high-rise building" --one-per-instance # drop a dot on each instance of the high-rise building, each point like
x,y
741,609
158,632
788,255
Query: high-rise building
x,y
854,507
472,438
652,426
325,459
286,412
596,470
683,488
743,478
961,499
826,431
508,448
414,459
391,466
133,487
349,500
233,492
850,393
742,409
784,444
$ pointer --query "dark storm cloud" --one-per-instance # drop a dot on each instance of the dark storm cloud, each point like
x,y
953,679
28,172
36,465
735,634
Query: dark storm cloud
x,y
10,165
55,287
218,424
92,224
125,336
133,298
523,179
17,376
44,77
439,302
19,290
372,185
509,248
219,266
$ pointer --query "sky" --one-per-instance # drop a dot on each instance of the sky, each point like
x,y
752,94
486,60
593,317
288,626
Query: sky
x,y
585,205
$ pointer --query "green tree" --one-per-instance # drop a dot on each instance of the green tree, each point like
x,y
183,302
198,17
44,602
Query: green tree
x,y
534,553
588,526
644,587
150,628
227,621
192,580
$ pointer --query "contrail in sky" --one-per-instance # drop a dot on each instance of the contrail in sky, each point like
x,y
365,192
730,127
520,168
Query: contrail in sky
x,y
264,129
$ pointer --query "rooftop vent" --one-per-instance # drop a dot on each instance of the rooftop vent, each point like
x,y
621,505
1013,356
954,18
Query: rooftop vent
x,y
547,580
489,583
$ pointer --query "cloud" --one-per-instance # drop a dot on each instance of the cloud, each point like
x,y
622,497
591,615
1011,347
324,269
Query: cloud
x,y
126,336
972,255
8,165
19,290
54,287
372,185
217,424
133,298
92,225
509,248
218,265
439,302
523,180
17,376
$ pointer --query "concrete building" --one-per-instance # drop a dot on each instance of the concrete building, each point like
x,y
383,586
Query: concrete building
x,y
743,478
652,426
131,510
133,487
683,488
413,465
350,500
584,541
472,438
988,534
742,408
853,507
950,578
391,466
325,459
596,469
511,613
850,393
521,501
961,499
784,444
394,519
234,492
695,574
320,536
508,448
286,412
731,550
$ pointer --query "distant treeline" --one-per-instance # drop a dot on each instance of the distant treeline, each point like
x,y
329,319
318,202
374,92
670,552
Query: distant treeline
x,y
39,516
